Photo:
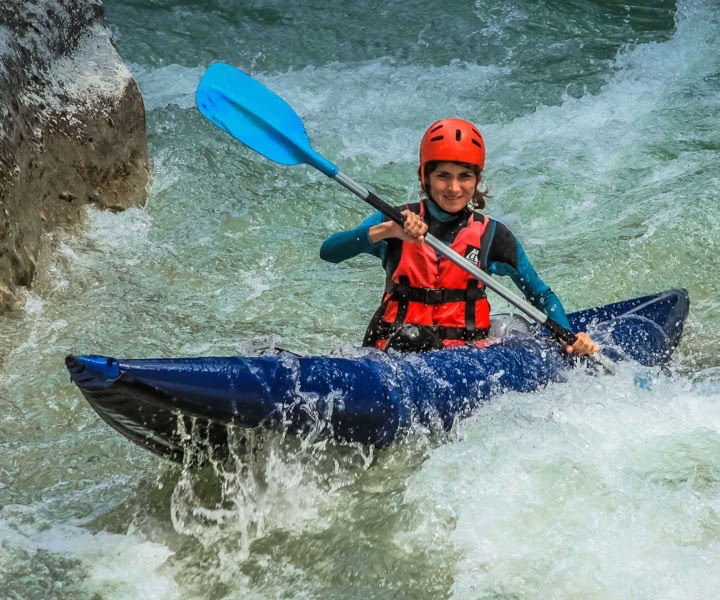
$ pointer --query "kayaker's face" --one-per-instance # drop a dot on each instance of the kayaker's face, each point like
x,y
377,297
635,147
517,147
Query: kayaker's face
x,y
452,186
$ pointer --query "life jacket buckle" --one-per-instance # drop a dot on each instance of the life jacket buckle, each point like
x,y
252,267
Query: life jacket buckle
x,y
433,296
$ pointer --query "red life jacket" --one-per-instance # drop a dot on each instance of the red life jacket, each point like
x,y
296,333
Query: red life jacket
x,y
427,289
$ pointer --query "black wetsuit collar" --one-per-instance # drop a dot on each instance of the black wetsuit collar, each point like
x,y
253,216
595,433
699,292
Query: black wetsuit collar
x,y
442,215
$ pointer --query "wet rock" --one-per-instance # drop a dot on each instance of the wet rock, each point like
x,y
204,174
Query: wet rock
x,y
72,127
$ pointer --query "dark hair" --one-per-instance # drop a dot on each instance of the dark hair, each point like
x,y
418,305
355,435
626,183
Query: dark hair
x,y
478,199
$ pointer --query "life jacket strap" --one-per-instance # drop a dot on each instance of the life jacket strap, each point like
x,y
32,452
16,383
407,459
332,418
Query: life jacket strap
x,y
473,294
402,292
382,330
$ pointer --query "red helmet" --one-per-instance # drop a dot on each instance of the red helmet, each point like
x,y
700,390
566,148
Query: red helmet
x,y
451,140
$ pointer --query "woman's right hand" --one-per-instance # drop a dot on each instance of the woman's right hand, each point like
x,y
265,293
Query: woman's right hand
x,y
413,230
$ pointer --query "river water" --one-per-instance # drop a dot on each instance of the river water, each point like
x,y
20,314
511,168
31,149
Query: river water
x,y
601,124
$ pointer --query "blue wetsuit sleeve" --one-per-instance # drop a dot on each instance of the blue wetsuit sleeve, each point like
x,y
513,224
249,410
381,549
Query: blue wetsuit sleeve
x,y
537,292
347,244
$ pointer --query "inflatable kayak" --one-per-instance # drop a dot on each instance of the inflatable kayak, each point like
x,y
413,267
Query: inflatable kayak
x,y
165,403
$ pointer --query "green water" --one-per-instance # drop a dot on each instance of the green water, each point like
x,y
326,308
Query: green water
x,y
600,121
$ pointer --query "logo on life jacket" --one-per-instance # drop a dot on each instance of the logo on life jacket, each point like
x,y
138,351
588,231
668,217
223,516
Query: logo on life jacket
x,y
473,254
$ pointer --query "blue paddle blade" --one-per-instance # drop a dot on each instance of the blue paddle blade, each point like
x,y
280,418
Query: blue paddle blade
x,y
257,117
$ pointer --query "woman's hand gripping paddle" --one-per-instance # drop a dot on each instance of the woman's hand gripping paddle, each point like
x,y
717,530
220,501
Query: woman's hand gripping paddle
x,y
263,121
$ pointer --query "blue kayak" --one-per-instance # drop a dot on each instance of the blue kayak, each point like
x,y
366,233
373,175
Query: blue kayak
x,y
375,398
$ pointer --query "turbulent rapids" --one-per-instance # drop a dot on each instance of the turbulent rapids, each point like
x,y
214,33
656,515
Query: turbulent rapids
x,y
600,120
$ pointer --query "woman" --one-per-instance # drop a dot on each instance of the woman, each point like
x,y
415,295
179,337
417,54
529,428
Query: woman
x,y
426,289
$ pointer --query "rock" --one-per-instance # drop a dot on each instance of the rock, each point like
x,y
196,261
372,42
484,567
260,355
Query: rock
x,y
72,127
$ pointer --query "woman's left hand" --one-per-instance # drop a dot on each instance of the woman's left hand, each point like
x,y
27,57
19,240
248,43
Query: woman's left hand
x,y
583,345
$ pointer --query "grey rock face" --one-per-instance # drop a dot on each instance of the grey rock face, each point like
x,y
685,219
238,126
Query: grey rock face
x,y
72,127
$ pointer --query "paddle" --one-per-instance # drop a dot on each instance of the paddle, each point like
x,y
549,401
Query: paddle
x,y
260,119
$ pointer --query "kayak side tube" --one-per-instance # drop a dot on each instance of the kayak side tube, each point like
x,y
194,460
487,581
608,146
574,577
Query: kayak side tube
x,y
164,403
